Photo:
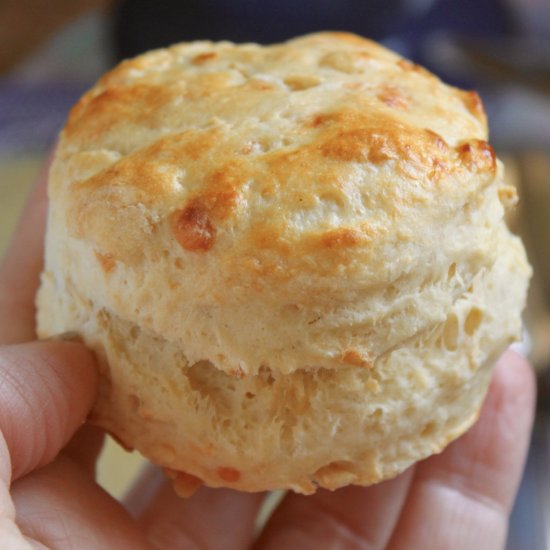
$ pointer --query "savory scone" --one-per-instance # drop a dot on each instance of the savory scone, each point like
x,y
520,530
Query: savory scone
x,y
291,260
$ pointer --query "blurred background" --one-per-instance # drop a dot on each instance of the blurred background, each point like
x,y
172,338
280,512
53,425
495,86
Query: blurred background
x,y
50,52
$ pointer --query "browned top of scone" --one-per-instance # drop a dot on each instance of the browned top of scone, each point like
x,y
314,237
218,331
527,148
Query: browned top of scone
x,y
304,175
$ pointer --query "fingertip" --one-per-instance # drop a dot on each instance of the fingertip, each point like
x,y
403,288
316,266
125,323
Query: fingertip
x,y
46,392
75,364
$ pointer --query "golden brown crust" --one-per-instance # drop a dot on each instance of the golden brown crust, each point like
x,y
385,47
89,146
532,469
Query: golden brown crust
x,y
294,167
361,118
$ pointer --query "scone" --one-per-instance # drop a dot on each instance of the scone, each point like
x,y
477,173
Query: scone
x,y
291,260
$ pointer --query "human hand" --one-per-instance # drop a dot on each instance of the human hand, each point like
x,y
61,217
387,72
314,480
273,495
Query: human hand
x,y
49,498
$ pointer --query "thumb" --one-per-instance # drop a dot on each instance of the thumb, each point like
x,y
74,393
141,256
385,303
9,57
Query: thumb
x,y
46,392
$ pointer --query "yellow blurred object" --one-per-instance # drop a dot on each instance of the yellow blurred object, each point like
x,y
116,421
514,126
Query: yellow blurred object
x,y
117,468
16,178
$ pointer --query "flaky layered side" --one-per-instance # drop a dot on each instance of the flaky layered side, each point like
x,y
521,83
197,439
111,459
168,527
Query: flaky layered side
x,y
292,259
313,427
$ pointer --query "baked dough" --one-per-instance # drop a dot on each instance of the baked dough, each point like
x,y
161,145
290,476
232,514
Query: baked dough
x,y
291,260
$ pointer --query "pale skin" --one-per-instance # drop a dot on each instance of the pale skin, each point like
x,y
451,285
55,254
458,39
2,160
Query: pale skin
x,y
49,498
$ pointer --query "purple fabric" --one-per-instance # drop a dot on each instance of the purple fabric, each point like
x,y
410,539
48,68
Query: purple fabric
x,y
31,115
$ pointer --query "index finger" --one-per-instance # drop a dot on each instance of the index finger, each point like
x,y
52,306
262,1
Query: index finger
x,y
21,266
